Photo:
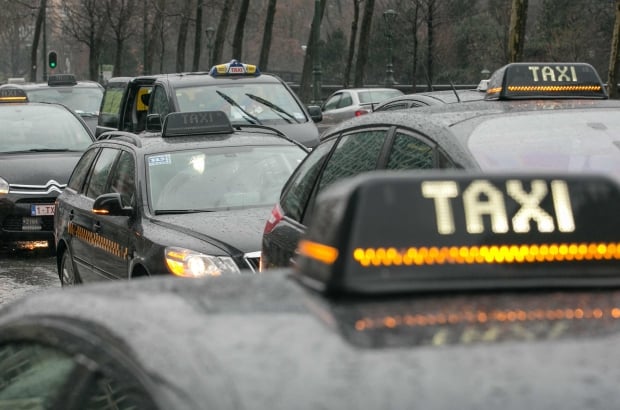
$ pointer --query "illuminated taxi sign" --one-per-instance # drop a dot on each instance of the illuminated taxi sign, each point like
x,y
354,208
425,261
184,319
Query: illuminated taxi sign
x,y
394,232
545,80
12,95
234,68
180,124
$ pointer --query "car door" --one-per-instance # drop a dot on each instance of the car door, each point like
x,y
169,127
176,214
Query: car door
x,y
113,232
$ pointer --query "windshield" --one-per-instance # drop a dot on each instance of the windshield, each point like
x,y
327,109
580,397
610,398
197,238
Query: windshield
x,y
28,127
574,141
244,102
219,178
82,100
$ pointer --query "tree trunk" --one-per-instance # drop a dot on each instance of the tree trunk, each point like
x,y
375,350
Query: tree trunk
x,y
197,37
237,46
305,90
266,46
429,45
516,36
354,23
182,39
414,64
363,45
220,36
612,80
35,41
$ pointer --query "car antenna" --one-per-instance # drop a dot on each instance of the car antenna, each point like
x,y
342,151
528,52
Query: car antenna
x,y
458,99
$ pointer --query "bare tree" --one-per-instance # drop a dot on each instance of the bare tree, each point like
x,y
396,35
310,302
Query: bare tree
x,y
120,16
362,48
612,79
35,40
516,35
197,37
352,39
86,23
266,46
157,27
222,28
237,46
306,73
182,37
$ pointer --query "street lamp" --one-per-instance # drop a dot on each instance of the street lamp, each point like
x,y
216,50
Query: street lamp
x,y
389,16
210,31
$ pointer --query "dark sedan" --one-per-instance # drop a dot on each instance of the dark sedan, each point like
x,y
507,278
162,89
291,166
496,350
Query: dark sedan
x,y
190,201
39,146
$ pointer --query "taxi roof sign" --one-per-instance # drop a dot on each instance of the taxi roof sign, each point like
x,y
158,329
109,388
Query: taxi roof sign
x,y
234,68
12,95
391,232
61,79
182,124
545,80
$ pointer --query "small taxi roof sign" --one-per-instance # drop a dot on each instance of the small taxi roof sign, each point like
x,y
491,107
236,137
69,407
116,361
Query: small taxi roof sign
x,y
407,231
12,95
234,68
182,124
61,79
545,80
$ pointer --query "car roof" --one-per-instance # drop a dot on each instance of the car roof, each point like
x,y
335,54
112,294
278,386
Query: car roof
x,y
444,96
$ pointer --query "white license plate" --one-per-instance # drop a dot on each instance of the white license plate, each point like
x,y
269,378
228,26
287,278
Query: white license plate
x,y
42,210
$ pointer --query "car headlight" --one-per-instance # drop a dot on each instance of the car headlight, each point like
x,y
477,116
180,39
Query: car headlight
x,y
4,186
191,264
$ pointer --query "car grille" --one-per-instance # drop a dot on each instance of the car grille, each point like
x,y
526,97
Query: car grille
x,y
253,260
50,187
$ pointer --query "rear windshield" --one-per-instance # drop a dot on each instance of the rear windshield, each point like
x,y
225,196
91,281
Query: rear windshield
x,y
575,141
79,99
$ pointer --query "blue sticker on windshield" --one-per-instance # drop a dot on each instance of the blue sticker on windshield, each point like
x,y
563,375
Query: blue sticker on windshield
x,y
160,160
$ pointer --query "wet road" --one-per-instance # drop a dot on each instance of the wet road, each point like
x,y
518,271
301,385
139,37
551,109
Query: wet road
x,y
25,272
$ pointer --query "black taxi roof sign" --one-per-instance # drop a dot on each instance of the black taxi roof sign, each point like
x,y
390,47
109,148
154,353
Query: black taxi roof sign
x,y
234,69
545,80
12,95
61,79
181,124
409,232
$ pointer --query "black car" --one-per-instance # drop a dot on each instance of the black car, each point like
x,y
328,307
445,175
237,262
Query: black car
x,y
39,146
563,123
388,312
189,201
83,97
245,94
425,99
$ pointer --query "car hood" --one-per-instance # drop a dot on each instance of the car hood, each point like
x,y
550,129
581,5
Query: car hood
x,y
38,168
239,229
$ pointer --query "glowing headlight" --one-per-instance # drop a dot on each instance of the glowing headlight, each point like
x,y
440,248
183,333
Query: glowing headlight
x,y
191,264
4,187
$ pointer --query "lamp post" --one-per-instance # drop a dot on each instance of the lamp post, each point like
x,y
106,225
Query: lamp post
x,y
210,31
389,16
316,59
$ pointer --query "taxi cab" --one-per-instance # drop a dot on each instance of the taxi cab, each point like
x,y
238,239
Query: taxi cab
x,y
40,144
535,117
466,293
241,90
189,201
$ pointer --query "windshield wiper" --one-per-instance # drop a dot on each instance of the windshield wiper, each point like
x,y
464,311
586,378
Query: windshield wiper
x,y
249,117
277,109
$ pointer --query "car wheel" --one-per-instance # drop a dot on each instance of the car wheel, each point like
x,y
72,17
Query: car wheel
x,y
68,275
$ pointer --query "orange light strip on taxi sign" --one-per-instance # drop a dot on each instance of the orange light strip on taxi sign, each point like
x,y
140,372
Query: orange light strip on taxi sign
x,y
481,316
318,251
494,90
553,88
487,254
13,99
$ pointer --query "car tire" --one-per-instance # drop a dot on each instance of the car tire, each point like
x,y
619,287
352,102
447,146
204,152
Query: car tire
x,y
68,275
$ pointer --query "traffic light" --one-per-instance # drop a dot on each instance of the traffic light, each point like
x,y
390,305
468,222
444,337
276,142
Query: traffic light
x,y
52,58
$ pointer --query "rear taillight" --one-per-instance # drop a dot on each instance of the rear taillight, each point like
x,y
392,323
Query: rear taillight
x,y
274,219
360,112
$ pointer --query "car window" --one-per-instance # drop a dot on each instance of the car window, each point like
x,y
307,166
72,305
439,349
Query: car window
x,y
123,178
409,152
300,186
81,170
332,102
355,153
345,101
100,172
79,99
394,106
374,96
111,105
34,376
159,102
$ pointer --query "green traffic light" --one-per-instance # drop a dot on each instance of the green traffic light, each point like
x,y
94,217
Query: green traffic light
x,y
52,59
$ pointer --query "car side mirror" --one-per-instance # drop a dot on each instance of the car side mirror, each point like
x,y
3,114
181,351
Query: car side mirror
x,y
111,204
153,122
315,113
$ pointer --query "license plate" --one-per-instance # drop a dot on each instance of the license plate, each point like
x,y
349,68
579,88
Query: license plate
x,y
42,210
